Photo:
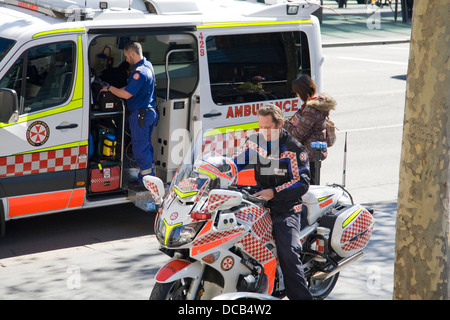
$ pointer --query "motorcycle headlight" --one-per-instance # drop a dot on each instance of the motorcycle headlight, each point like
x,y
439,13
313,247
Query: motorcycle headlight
x,y
176,235
160,230
184,234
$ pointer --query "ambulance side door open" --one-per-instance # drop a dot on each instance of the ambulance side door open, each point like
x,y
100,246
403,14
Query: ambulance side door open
x,y
41,152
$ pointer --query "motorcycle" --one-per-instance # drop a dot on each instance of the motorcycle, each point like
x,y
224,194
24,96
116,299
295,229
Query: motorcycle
x,y
219,236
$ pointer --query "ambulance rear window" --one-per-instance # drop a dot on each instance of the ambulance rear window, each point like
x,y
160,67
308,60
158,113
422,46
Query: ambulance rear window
x,y
5,46
256,67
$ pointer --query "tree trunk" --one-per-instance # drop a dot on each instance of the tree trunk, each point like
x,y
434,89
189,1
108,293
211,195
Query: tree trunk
x,y
422,228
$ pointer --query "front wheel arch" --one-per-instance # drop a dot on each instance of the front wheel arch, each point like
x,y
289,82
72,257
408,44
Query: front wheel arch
x,y
175,290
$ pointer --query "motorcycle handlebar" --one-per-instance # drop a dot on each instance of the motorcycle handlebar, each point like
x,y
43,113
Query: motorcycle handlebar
x,y
247,196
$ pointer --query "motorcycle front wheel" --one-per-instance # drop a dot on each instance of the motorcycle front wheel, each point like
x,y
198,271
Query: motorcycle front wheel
x,y
176,290
321,289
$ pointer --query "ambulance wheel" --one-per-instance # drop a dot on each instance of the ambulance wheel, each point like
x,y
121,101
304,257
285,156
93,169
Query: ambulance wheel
x,y
2,221
321,289
176,290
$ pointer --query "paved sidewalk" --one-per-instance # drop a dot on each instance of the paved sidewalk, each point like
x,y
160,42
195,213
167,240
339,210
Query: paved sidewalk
x,y
361,24
372,276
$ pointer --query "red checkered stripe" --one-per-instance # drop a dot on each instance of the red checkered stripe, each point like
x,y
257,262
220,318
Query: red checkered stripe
x,y
294,168
263,228
216,200
363,222
200,192
153,188
226,144
250,214
101,180
256,249
44,162
213,236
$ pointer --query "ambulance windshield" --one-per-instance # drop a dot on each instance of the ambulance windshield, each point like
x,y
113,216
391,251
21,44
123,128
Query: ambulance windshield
x,y
5,46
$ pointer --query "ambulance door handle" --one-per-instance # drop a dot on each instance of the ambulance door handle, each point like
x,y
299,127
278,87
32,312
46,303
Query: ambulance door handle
x,y
210,115
67,126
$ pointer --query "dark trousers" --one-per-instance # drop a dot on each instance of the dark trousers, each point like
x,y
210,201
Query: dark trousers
x,y
286,232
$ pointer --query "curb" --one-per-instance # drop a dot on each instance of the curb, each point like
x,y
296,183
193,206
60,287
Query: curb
x,y
363,43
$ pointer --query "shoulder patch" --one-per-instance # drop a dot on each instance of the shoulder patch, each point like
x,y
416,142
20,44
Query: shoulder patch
x,y
136,76
303,156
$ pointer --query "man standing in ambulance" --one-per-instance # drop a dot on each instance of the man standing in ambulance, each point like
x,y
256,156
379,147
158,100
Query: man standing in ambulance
x,y
140,96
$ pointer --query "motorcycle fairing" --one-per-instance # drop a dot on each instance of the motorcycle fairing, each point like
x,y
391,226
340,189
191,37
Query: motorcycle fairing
x,y
255,244
261,253
177,269
212,239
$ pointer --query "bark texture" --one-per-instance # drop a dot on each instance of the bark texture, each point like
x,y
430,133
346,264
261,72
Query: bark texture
x,y
422,227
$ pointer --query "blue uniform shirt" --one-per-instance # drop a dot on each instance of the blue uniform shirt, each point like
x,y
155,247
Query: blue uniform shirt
x,y
141,85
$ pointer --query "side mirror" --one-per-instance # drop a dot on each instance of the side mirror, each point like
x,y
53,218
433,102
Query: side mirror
x,y
9,106
156,188
220,199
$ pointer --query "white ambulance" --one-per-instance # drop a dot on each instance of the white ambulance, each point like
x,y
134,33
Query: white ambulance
x,y
61,148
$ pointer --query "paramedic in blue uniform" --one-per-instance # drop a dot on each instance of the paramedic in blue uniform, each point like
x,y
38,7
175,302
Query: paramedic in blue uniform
x,y
140,96
282,171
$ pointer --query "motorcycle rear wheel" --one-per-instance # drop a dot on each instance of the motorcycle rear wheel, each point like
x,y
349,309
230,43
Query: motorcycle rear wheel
x,y
321,289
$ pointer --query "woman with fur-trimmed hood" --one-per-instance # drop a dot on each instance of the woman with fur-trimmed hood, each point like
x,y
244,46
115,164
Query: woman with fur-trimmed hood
x,y
309,123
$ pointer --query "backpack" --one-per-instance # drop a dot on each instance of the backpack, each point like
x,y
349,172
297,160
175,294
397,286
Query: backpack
x,y
330,132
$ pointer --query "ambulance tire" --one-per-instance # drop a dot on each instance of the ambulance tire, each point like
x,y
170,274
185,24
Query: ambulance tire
x,y
2,221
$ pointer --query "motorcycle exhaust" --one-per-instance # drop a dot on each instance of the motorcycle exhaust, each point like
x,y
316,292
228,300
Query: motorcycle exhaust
x,y
323,275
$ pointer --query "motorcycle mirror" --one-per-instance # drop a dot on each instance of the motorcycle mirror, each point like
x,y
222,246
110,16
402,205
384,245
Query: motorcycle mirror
x,y
156,188
220,199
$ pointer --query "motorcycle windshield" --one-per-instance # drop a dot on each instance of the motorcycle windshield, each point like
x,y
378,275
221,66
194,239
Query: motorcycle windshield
x,y
200,171
188,183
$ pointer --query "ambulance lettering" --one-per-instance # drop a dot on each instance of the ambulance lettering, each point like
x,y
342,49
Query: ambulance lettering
x,y
252,109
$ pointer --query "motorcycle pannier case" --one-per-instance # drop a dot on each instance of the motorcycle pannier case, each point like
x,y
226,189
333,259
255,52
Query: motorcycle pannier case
x,y
350,229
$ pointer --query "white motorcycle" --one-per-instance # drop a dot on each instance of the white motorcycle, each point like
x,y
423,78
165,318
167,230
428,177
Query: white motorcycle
x,y
220,236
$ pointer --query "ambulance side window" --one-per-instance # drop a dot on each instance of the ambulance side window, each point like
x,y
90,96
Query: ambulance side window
x,y
5,46
47,79
256,67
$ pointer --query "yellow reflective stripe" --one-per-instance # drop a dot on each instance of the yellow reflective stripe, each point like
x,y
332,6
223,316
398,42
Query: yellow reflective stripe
x,y
182,194
24,118
62,146
238,127
350,219
208,25
78,92
53,32
324,198
169,230
209,174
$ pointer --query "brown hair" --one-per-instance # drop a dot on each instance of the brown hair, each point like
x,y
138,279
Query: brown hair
x,y
133,46
305,87
274,111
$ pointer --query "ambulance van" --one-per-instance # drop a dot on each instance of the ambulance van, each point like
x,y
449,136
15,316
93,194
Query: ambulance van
x,y
65,146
